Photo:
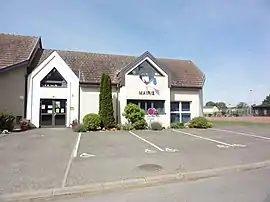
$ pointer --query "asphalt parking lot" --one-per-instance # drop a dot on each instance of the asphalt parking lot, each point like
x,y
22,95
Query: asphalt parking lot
x,y
51,158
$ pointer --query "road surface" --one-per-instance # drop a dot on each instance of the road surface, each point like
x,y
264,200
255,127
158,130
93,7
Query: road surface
x,y
252,186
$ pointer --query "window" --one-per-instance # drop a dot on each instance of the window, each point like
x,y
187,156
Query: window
x,y
146,104
180,112
53,79
185,106
256,111
175,117
174,106
185,117
145,69
265,112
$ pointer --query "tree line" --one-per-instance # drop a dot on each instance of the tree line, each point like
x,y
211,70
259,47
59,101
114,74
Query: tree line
x,y
242,108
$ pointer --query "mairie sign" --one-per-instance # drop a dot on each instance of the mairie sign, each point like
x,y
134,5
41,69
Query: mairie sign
x,y
146,92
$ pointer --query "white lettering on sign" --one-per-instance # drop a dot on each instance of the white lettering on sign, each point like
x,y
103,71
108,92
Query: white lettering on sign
x,y
147,92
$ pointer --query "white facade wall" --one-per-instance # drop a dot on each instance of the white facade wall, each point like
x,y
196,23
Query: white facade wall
x,y
133,85
89,101
89,96
189,95
12,90
35,92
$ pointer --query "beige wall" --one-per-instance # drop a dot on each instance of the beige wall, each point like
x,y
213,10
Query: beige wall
x,y
190,95
89,100
12,89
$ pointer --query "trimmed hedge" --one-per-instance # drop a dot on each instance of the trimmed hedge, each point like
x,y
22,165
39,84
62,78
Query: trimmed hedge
x,y
177,125
200,122
92,122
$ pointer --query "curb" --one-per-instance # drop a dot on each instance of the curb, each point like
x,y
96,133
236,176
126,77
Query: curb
x,y
95,188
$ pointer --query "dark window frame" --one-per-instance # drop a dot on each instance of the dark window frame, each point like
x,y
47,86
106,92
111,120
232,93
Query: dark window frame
x,y
146,104
136,71
180,112
60,82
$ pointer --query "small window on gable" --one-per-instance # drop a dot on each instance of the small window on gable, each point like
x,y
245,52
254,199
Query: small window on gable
x,y
145,69
54,80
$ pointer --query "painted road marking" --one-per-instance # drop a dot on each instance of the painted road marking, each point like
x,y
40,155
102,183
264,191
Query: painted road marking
x,y
239,145
72,156
222,146
152,144
150,151
85,155
75,153
244,134
205,138
171,150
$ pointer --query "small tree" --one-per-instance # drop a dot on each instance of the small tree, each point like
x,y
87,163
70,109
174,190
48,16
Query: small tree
x,y
101,92
135,116
266,101
210,103
105,102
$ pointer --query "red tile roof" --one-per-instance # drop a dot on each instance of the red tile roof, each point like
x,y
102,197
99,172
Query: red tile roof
x,y
15,49
184,73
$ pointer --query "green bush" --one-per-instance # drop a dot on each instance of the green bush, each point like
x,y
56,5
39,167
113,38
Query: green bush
x,y
127,126
135,116
140,124
106,112
156,125
79,128
177,125
7,121
200,122
91,121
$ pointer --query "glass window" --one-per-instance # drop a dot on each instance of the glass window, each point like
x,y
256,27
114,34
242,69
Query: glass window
x,y
256,111
145,69
159,105
175,117
146,104
53,79
133,102
185,106
185,117
149,105
174,106
143,105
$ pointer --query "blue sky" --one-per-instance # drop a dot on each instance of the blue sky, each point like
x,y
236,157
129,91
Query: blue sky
x,y
229,40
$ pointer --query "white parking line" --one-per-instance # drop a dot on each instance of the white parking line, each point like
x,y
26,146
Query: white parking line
x,y
72,156
244,134
205,138
152,144
75,153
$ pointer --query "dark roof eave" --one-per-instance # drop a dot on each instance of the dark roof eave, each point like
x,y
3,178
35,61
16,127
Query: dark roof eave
x,y
7,68
115,84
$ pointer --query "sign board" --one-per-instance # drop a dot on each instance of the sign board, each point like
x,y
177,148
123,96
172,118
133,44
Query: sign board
x,y
147,92
151,111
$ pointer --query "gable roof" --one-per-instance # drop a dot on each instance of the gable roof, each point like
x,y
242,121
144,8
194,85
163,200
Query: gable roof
x,y
139,59
15,49
89,67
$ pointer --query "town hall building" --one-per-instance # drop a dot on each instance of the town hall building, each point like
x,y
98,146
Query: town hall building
x,y
52,88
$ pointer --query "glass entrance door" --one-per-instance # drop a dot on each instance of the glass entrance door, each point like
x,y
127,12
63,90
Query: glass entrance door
x,y
53,112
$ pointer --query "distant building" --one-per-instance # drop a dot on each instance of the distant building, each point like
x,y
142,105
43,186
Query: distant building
x,y
210,110
261,110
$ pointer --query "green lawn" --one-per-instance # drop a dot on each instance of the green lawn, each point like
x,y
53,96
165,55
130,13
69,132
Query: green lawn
x,y
239,123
